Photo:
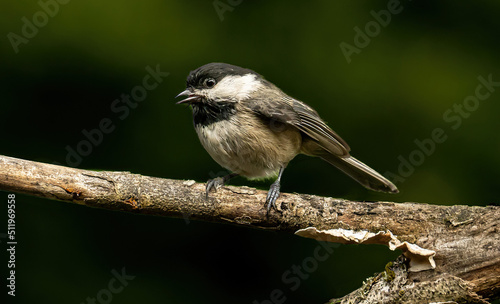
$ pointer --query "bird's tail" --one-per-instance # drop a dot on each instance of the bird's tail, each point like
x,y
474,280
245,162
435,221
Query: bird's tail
x,y
360,172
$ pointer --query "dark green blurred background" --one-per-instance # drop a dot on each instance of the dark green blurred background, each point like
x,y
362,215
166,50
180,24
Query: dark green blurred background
x,y
394,91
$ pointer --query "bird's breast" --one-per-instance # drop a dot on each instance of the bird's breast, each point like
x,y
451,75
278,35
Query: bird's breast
x,y
245,144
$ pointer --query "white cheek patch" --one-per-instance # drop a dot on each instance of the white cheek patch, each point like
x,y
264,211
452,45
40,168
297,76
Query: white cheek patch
x,y
235,87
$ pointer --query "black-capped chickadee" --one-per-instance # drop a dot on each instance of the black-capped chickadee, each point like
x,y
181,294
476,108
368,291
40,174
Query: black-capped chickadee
x,y
250,127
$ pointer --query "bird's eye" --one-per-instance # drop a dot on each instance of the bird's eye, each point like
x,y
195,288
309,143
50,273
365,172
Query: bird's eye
x,y
209,82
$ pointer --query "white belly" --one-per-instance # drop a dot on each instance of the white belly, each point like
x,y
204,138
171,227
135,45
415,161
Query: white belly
x,y
249,150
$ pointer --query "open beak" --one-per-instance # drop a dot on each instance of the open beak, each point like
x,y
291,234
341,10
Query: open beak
x,y
191,97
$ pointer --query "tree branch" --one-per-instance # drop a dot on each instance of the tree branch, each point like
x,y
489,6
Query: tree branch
x,y
465,239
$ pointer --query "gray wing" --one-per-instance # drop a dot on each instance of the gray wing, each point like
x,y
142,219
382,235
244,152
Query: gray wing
x,y
306,119
312,125
324,142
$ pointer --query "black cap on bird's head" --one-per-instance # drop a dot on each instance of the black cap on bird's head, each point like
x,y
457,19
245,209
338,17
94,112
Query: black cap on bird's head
x,y
216,71
207,76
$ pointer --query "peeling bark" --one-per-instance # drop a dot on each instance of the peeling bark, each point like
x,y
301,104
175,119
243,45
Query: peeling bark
x,y
464,238
419,259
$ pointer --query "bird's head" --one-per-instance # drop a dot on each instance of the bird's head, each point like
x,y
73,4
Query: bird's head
x,y
220,83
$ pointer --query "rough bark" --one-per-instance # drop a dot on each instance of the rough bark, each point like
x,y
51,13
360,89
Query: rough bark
x,y
465,238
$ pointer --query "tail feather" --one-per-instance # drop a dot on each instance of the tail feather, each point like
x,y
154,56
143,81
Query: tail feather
x,y
360,172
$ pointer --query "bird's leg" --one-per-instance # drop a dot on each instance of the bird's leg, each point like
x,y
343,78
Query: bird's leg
x,y
274,192
217,182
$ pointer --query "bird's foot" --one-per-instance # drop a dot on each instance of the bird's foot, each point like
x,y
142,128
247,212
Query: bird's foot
x,y
272,196
214,184
218,182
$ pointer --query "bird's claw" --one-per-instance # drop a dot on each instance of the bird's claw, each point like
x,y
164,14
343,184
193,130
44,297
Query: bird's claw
x,y
214,184
272,196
